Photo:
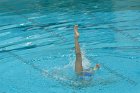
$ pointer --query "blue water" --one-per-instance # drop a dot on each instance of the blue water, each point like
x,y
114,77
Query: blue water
x,y
37,45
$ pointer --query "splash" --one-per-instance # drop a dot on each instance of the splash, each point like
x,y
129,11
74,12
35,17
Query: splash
x,y
66,75
85,62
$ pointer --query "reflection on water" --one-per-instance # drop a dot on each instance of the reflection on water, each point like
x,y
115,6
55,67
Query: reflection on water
x,y
70,6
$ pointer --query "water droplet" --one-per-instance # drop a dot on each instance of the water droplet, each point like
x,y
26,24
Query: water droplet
x,y
22,24
29,43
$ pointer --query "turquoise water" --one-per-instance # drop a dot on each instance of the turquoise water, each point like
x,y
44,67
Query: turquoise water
x,y
37,45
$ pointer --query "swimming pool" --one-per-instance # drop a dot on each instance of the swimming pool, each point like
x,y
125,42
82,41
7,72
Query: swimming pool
x,y
37,45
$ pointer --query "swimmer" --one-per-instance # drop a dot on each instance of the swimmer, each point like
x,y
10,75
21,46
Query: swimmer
x,y
78,63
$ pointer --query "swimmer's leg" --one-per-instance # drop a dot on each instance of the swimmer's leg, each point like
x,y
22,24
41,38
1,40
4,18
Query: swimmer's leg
x,y
78,62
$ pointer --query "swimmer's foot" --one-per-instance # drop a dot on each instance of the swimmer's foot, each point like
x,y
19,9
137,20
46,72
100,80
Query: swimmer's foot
x,y
96,67
76,31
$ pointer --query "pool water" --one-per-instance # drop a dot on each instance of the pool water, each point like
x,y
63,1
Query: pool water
x,y
37,45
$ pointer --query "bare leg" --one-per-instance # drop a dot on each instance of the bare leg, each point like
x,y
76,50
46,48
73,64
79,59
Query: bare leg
x,y
78,62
